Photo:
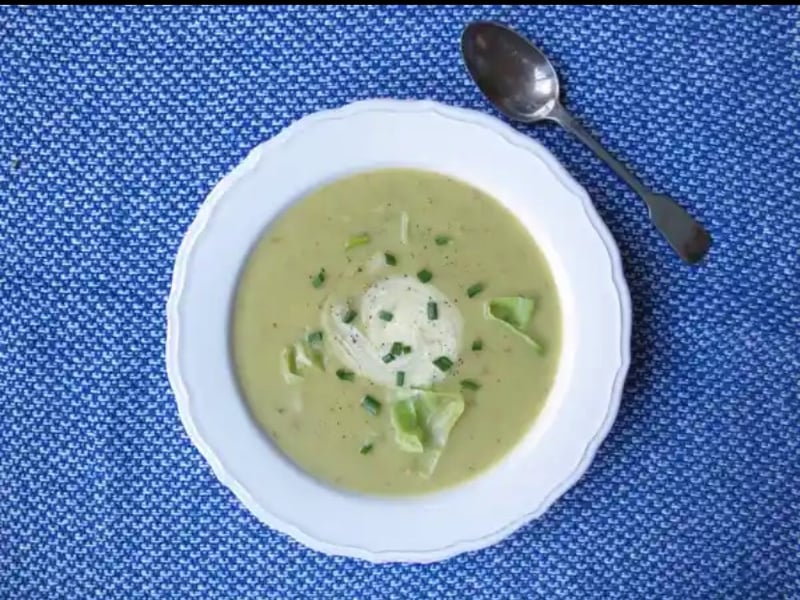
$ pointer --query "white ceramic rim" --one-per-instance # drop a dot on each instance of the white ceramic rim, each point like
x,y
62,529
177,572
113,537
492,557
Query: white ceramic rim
x,y
583,403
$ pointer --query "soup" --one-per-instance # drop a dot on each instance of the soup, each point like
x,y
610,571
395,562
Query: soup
x,y
396,332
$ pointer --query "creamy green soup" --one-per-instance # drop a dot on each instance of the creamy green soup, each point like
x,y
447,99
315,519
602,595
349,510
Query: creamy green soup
x,y
396,332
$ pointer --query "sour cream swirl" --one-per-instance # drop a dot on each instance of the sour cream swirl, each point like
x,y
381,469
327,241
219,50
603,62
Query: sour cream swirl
x,y
395,309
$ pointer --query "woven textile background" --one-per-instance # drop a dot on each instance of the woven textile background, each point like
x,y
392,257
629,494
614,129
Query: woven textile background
x,y
116,122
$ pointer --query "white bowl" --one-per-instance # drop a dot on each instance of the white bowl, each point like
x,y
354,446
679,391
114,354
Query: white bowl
x,y
488,154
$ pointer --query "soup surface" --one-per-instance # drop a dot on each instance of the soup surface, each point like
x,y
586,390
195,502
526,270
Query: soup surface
x,y
396,332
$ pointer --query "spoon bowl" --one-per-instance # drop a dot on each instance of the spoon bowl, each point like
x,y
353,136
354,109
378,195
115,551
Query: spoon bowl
x,y
519,80
513,74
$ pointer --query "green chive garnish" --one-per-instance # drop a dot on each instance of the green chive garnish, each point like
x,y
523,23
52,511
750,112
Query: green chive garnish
x,y
433,311
424,276
477,345
397,348
385,315
442,240
474,289
315,337
387,358
345,375
319,279
406,349
349,315
371,405
470,384
400,378
357,240
443,363
366,449
391,259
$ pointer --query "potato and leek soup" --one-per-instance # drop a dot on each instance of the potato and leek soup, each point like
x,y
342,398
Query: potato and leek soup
x,y
396,332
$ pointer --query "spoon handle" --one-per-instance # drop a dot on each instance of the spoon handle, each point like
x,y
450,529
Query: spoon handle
x,y
686,236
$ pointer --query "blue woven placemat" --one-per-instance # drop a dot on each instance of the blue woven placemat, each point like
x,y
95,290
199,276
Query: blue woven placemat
x,y
116,122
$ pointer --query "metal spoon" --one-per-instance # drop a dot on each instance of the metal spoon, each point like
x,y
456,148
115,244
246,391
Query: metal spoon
x,y
520,81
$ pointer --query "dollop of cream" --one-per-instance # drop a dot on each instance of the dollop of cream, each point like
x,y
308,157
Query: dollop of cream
x,y
363,344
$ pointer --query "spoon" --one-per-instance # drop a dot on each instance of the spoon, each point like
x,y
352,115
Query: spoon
x,y
523,85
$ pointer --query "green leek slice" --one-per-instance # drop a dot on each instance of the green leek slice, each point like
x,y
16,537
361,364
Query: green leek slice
x,y
357,240
407,432
423,420
513,312
289,368
404,227
312,350
308,352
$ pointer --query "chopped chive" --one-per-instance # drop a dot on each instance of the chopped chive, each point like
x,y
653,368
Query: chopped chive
x,y
385,315
357,240
474,289
319,278
315,337
349,315
397,348
391,259
406,349
470,384
433,311
400,378
371,405
442,240
477,345
443,363
345,375
424,276
366,449
387,358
